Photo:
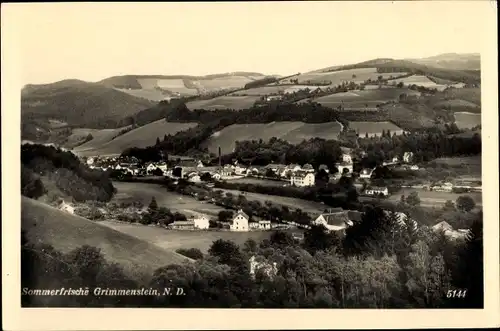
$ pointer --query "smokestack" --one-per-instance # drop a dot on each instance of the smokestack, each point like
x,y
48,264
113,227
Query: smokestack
x,y
220,158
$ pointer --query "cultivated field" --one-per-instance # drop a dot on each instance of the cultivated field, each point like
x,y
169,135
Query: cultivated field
x,y
258,181
151,94
65,232
337,77
100,137
458,104
363,99
435,199
175,239
225,82
143,192
173,85
469,94
141,137
293,132
465,120
408,118
420,81
224,102
373,128
311,207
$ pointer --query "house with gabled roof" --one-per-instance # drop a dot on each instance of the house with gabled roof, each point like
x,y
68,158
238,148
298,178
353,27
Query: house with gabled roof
x,y
302,178
334,220
240,221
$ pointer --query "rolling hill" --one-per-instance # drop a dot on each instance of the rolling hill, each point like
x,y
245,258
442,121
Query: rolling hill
x,y
140,137
65,232
160,87
79,104
471,61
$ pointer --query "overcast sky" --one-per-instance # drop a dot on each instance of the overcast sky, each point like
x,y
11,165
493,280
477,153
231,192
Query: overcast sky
x,y
95,41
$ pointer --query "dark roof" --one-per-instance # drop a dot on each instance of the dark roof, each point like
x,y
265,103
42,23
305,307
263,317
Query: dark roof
x,y
336,219
242,213
355,215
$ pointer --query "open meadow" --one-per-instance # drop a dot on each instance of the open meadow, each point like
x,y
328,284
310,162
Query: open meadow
x,y
337,77
144,192
357,99
293,132
140,137
311,207
435,199
420,80
99,137
466,120
149,94
373,128
175,239
258,181
224,102
65,232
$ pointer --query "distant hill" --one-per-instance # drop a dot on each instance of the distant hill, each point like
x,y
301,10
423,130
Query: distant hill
x,y
65,232
161,87
78,103
452,61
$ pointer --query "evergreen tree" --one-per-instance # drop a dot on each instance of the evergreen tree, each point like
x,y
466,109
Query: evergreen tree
x,y
153,205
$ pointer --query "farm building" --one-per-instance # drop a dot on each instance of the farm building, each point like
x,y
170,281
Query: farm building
x,y
63,206
366,173
261,225
240,222
302,179
182,225
344,166
375,191
334,219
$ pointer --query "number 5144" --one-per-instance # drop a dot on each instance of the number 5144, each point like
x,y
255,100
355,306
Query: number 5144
x,y
456,293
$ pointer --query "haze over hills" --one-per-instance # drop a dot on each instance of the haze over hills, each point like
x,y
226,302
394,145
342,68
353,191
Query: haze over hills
x,y
469,61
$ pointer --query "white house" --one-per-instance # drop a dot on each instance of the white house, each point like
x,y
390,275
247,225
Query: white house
x,y
63,206
240,222
414,167
294,167
150,168
407,157
261,225
194,178
308,168
302,179
395,159
346,158
162,166
374,190
90,160
239,170
201,222
344,165
334,220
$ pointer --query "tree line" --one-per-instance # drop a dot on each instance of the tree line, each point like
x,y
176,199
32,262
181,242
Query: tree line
x,y
378,263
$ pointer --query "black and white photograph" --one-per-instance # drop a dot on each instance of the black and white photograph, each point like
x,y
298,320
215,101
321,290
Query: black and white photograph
x,y
254,155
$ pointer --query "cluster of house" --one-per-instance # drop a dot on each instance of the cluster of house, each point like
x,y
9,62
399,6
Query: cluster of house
x,y
130,165
239,223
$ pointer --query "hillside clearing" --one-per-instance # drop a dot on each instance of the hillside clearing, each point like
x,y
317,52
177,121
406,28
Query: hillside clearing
x,y
465,120
99,137
224,102
293,132
175,239
373,128
420,80
140,137
337,77
65,232
363,99
143,192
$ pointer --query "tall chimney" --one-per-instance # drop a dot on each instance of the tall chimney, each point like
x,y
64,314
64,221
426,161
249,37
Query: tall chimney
x,y
220,158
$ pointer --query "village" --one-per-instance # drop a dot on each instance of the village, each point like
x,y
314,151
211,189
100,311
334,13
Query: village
x,y
292,175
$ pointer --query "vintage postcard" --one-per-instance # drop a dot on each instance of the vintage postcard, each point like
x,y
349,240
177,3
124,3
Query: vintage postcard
x,y
246,165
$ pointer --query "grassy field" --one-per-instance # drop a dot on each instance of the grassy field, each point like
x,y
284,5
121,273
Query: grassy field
x,y
363,128
175,239
435,199
420,81
458,104
337,77
469,94
100,137
459,161
141,137
363,99
224,102
258,181
408,118
144,192
465,120
293,132
314,208
151,94
65,232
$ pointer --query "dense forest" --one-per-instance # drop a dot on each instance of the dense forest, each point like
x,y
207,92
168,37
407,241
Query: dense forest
x,y
65,170
379,263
